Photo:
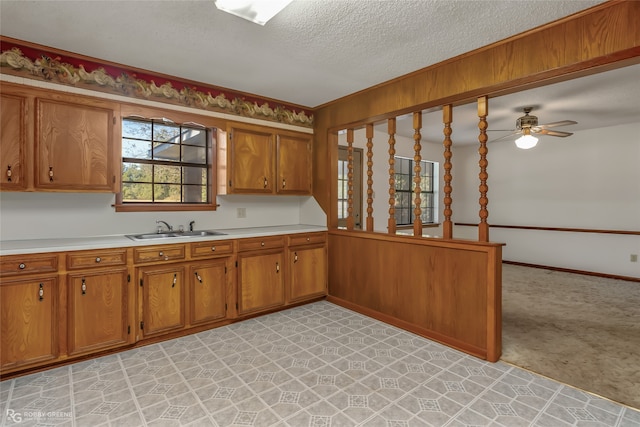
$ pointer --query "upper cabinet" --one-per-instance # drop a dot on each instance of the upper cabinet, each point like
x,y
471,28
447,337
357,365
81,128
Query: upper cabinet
x,y
13,140
262,160
52,141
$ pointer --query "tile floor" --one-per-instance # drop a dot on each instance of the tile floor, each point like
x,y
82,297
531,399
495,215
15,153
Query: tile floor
x,y
314,365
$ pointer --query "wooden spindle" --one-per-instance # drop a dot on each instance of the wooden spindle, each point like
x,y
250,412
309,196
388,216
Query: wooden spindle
x,y
391,126
417,126
447,119
369,135
483,112
350,222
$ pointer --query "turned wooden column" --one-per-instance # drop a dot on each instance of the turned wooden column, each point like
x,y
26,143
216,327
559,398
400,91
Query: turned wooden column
x,y
417,126
350,222
483,112
447,119
391,126
369,134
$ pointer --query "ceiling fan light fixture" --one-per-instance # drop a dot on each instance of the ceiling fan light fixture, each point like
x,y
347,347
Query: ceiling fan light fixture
x,y
256,11
527,140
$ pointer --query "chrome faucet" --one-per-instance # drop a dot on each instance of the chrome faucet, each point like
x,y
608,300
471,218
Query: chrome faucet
x,y
170,228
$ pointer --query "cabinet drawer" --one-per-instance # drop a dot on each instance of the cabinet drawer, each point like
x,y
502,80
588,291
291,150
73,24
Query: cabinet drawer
x,y
307,238
158,253
258,243
13,265
101,258
209,249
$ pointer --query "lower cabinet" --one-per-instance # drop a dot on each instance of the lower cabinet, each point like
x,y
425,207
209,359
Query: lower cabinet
x,y
98,310
163,289
29,322
308,273
261,274
207,291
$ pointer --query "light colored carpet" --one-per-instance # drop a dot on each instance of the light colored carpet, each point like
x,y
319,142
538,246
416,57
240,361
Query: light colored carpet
x,y
581,330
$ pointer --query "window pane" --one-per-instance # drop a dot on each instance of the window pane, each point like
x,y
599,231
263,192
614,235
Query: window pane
x,y
196,137
166,133
137,172
167,193
136,192
193,154
166,151
166,174
195,193
136,129
136,148
194,176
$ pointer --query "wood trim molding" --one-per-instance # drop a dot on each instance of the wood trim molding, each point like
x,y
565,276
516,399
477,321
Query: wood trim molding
x,y
570,270
573,230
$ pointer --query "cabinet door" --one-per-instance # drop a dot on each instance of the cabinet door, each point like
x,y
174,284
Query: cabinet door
x,y
97,310
162,299
308,267
251,161
13,141
294,165
29,322
208,291
260,281
74,145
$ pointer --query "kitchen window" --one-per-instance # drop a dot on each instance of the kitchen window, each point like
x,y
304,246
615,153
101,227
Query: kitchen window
x,y
404,191
166,165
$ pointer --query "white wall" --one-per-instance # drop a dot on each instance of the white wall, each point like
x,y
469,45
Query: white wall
x,y
590,180
59,215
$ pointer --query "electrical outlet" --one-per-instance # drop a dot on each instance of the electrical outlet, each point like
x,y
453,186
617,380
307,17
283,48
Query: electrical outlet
x,y
242,212
633,258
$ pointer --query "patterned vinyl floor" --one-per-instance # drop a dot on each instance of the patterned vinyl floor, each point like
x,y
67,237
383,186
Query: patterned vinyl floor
x,y
316,365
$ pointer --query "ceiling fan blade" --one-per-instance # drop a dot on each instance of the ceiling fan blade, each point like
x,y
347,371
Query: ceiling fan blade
x,y
503,137
554,133
560,123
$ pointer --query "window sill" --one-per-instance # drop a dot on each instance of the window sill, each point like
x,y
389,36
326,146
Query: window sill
x,y
156,207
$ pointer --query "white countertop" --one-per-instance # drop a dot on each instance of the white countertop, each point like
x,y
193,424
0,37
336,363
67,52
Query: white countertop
x,y
14,247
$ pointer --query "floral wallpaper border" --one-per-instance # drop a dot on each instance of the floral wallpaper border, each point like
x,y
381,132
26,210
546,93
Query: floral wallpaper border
x,y
44,64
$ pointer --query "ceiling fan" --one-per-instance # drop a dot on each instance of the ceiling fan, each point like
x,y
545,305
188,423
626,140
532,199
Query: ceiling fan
x,y
527,125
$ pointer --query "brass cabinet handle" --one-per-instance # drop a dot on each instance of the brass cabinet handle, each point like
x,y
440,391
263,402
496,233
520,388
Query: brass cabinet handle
x,y
41,292
84,287
9,173
198,277
265,182
261,243
175,279
161,253
50,173
277,267
295,257
284,182
22,266
213,248
98,259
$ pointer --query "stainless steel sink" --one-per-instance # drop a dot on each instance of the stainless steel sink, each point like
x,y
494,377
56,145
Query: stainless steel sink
x,y
155,236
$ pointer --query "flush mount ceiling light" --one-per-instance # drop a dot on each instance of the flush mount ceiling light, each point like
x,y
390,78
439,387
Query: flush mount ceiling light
x,y
527,140
258,11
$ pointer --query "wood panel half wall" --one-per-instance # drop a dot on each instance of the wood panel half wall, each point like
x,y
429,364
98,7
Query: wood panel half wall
x,y
449,291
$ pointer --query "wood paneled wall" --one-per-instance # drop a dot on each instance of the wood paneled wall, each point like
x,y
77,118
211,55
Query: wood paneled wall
x,y
603,37
449,291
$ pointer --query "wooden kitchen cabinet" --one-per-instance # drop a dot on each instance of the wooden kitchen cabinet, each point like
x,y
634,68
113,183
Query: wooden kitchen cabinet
x,y
76,139
261,274
294,164
263,160
163,298
13,140
28,322
307,255
208,291
99,312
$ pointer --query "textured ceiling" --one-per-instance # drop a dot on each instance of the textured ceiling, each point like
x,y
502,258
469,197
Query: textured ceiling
x,y
313,52
316,51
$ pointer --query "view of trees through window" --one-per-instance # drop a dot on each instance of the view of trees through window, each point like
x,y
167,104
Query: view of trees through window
x,y
163,162
405,196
